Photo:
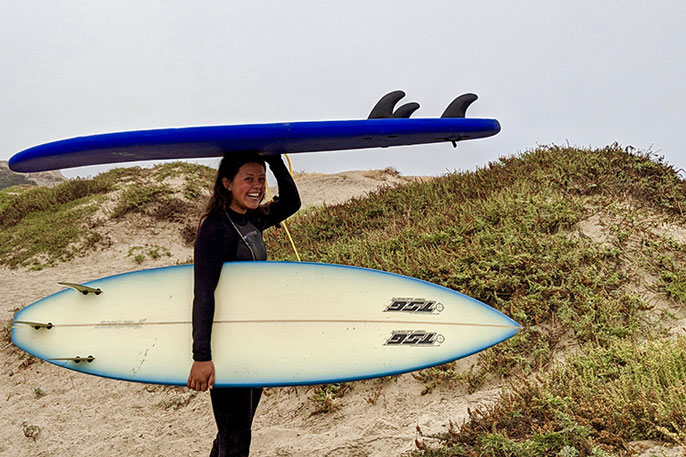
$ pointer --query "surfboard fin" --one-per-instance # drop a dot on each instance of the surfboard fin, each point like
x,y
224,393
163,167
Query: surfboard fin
x,y
406,110
85,290
77,359
384,107
36,325
458,107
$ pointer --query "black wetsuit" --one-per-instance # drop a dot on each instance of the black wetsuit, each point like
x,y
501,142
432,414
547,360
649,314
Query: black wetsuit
x,y
219,241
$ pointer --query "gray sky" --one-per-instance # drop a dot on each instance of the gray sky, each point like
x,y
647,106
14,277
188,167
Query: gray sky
x,y
584,72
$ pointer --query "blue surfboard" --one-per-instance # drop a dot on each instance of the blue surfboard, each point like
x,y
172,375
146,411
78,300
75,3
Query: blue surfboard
x,y
385,127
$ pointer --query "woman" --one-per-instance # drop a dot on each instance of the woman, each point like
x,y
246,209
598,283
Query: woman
x,y
231,230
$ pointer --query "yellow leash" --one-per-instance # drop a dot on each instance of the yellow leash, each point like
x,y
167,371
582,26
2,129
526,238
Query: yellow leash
x,y
290,169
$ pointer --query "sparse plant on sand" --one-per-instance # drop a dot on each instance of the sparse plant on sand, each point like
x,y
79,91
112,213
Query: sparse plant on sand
x,y
38,392
177,400
153,251
30,431
326,397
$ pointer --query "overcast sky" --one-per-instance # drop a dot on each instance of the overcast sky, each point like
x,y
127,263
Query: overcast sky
x,y
586,73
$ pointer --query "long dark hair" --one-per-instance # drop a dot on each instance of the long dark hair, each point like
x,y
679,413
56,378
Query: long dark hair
x,y
228,168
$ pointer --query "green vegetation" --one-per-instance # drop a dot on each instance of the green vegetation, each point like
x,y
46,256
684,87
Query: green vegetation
x,y
42,226
520,235
450,374
161,202
139,253
38,392
596,401
325,397
30,431
45,199
196,177
509,236
8,194
136,199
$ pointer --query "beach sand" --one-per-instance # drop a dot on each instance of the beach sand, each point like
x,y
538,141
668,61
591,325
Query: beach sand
x,y
49,411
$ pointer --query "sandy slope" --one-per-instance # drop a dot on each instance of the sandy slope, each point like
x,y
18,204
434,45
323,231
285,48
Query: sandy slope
x,y
49,411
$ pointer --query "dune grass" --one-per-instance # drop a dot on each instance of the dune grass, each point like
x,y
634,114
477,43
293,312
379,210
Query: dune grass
x,y
42,226
517,235
593,404
512,235
509,235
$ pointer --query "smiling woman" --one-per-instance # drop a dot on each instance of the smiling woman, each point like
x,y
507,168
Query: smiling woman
x,y
247,187
231,230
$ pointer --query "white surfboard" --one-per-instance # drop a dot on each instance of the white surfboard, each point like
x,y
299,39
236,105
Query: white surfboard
x,y
275,324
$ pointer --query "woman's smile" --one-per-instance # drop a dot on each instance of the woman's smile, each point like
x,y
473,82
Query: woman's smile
x,y
247,187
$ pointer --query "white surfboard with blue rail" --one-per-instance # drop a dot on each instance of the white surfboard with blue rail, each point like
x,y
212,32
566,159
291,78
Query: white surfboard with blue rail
x,y
275,324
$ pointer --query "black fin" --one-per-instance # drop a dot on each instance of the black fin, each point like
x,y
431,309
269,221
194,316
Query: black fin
x,y
406,110
36,325
77,359
85,290
384,107
458,107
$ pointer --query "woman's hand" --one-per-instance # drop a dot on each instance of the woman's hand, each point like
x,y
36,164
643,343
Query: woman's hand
x,y
274,160
201,376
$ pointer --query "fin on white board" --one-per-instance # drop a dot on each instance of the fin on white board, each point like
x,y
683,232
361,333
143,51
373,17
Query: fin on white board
x,y
77,359
85,290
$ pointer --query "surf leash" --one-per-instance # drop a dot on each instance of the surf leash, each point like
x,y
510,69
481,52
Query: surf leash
x,y
288,233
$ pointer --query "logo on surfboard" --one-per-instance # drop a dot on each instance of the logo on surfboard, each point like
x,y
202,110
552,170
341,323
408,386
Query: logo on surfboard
x,y
414,338
414,305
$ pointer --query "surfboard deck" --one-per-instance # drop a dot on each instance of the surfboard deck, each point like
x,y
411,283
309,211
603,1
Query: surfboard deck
x,y
275,324
277,138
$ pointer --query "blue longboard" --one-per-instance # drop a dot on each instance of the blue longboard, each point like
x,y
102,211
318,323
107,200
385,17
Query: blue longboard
x,y
385,127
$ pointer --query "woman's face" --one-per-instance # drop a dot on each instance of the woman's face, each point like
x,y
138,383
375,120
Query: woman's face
x,y
247,187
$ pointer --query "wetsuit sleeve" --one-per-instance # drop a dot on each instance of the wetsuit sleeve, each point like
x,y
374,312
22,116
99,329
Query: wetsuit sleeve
x,y
210,246
288,200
